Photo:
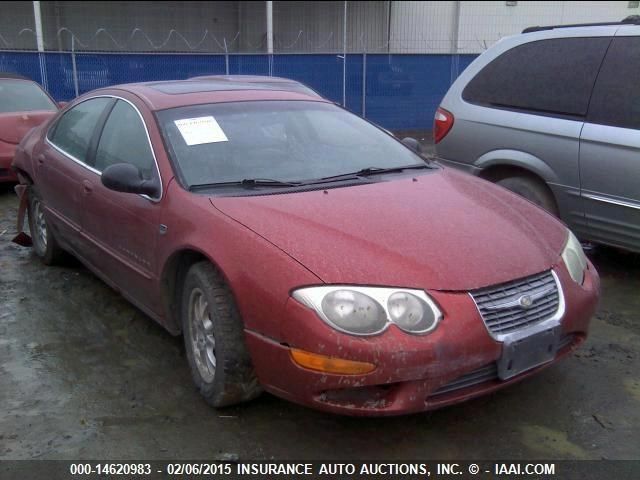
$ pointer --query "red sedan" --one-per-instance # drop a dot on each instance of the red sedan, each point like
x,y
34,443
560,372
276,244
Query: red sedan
x,y
301,250
23,105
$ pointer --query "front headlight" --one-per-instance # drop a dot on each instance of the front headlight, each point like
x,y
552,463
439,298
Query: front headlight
x,y
354,312
370,310
574,258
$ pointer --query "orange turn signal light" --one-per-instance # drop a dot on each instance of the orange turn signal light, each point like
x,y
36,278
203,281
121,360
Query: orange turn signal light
x,y
322,363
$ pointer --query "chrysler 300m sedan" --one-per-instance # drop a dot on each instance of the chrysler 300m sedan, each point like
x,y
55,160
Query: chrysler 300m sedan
x,y
301,250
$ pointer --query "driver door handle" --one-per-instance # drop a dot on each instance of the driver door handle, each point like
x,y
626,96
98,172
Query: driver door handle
x,y
40,159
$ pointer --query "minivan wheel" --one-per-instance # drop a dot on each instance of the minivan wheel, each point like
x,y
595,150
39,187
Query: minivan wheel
x,y
533,190
214,339
44,243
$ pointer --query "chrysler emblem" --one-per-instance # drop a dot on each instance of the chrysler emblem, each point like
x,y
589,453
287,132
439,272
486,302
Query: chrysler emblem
x,y
525,301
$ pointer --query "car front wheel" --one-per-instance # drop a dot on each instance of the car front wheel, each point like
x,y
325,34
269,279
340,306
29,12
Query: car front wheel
x,y
214,339
533,190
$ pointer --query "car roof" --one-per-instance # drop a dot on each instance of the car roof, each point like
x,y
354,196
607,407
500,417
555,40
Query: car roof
x,y
190,86
245,78
273,82
177,93
13,76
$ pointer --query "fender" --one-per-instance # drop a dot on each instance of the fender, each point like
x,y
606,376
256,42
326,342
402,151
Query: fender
x,y
517,158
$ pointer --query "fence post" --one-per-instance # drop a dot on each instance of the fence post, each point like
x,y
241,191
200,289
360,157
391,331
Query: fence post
x,y
270,36
37,19
73,65
344,58
270,28
226,56
454,43
364,84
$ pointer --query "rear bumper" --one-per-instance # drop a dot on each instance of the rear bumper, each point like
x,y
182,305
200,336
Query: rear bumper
x,y
412,372
6,158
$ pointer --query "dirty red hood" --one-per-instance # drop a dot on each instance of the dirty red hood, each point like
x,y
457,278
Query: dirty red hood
x,y
444,231
15,125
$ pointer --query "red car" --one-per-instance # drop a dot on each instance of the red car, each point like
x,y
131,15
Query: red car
x,y
302,250
23,105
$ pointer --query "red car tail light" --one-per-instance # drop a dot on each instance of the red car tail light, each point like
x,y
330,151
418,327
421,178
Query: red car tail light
x,y
442,123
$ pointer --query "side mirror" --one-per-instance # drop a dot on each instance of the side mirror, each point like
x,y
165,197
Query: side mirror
x,y
413,144
124,177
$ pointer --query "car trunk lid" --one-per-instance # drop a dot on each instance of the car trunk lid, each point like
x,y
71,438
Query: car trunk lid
x,y
15,125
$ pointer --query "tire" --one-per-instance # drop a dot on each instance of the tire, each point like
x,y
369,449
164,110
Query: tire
x,y
214,339
44,243
533,190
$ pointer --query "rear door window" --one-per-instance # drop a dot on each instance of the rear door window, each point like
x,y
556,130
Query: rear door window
x,y
553,77
616,96
73,132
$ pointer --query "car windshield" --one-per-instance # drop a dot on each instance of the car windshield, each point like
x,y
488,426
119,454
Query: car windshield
x,y
23,96
282,141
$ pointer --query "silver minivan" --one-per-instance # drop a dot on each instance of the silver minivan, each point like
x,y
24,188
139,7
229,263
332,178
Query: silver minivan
x,y
554,115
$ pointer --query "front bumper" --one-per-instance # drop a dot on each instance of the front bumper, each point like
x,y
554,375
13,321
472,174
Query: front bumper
x,y
414,373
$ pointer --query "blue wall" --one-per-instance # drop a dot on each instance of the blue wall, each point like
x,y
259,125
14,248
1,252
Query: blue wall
x,y
402,91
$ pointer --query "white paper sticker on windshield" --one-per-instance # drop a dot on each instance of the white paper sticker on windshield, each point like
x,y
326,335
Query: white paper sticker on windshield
x,y
197,131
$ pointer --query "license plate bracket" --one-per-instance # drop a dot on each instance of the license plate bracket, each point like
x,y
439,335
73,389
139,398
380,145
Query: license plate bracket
x,y
524,352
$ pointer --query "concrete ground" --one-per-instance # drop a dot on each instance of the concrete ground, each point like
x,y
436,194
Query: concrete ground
x,y
84,375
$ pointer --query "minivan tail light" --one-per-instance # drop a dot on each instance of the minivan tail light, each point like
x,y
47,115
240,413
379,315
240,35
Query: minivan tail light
x,y
442,123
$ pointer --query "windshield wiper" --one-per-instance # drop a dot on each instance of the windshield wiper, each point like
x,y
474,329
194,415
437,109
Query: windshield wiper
x,y
247,182
364,172
267,182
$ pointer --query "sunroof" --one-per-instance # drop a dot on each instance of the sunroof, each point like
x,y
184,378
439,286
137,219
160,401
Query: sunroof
x,y
176,88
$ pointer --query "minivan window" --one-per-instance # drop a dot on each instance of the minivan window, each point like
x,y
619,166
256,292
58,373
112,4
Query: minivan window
x,y
547,76
72,133
616,100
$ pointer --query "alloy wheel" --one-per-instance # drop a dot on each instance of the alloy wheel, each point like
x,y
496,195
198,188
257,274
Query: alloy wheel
x,y
203,342
40,225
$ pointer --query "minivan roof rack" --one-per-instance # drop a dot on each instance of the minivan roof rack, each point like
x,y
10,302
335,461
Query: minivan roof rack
x,y
630,20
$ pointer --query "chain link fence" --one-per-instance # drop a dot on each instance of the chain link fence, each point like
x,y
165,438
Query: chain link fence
x,y
399,92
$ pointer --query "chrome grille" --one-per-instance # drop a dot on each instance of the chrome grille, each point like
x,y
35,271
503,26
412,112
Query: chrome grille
x,y
481,375
501,311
